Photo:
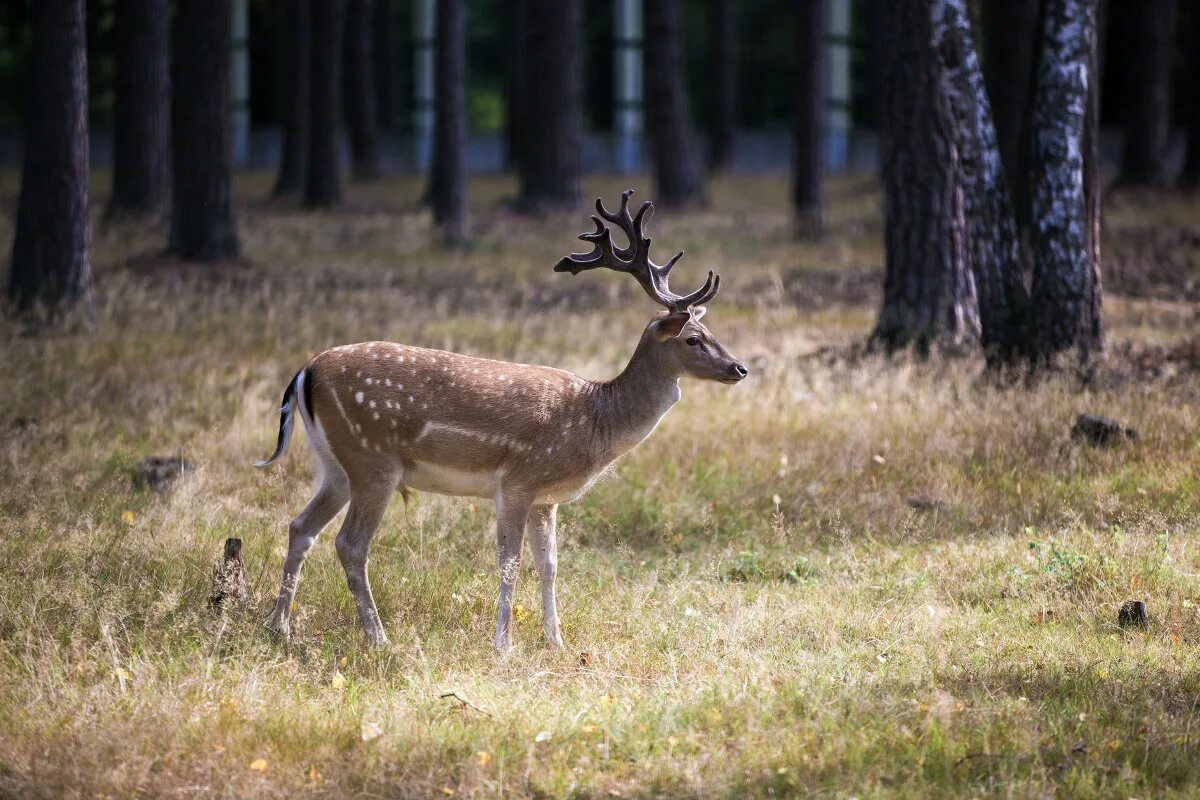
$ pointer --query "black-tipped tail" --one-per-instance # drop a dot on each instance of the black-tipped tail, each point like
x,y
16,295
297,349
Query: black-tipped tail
x,y
287,417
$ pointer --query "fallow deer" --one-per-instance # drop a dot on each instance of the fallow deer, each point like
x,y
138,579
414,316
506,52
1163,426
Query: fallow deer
x,y
383,417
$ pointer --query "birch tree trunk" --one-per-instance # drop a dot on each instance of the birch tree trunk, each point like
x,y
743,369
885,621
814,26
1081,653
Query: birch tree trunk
x,y
1066,294
991,231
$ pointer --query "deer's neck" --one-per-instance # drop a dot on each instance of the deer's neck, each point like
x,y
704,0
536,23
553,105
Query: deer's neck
x,y
629,406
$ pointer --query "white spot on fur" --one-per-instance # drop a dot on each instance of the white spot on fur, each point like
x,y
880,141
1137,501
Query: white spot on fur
x,y
358,397
369,381
387,381
371,404
375,415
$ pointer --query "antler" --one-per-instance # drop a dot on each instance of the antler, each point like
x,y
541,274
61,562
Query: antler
x,y
635,259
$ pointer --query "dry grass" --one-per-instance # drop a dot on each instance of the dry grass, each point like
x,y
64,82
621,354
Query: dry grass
x,y
763,610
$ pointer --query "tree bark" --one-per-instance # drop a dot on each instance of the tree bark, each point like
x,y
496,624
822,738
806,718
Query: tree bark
x,y
296,27
51,264
991,232
1189,178
929,291
550,162
1148,94
515,134
722,27
1066,293
678,169
1010,35
323,183
448,169
203,227
808,156
142,115
361,109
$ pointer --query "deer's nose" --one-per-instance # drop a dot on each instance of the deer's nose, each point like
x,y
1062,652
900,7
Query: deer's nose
x,y
738,371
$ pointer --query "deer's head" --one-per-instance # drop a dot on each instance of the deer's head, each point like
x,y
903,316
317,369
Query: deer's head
x,y
678,341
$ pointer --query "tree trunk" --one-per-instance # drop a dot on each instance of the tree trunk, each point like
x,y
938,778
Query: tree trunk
x,y
1010,34
448,169
296,32
550,160
1189,179
1066,291
991,231
808,156
142,115
203,227
1148,94
51,265
361,109
323,184
722,27
929,291
515,134
678,169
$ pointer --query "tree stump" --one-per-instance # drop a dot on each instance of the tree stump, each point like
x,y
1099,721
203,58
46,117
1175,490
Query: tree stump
x,y
1101,431
229,577
1133,615
159,473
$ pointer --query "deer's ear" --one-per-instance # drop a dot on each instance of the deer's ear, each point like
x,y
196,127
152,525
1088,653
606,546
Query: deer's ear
x,y
670,326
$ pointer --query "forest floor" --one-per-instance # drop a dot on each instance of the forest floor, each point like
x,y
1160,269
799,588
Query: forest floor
x,y
847,576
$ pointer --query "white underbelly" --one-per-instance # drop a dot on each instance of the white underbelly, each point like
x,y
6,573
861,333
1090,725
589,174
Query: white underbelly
x,y
425,477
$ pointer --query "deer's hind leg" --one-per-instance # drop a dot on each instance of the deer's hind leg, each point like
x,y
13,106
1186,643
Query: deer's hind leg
x,y
331,497
367,504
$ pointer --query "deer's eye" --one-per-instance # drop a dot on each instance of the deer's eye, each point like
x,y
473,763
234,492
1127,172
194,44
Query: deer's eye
x,y
693,341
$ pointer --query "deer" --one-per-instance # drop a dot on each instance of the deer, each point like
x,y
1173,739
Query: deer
x,y
384,418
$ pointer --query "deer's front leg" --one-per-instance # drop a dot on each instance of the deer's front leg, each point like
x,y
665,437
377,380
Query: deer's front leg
x,y
512,512
545,553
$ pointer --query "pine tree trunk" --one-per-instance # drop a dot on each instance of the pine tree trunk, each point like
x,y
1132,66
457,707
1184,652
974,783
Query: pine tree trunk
x,y
1010,33
142,116
515,134
808,152
1148,94
678,169
991,231
1189,179
323,184
385,50
1066,293
361,110
296,32
448,170
722,27
51,263
203,227
929,291
550,160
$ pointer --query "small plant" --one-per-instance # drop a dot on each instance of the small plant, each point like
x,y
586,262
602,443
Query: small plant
x,y
745,568
1058,560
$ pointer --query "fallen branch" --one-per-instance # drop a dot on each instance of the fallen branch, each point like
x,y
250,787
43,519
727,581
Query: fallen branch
x,y
454,696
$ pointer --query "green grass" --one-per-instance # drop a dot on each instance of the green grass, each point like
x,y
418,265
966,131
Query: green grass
x,y
752,606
